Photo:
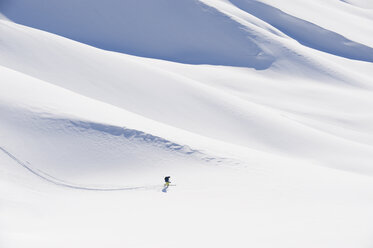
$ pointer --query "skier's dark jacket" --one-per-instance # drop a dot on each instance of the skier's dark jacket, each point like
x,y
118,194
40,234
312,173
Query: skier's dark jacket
x,y
167,179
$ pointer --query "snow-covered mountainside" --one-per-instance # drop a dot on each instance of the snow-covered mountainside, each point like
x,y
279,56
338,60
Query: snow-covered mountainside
x,y
260,111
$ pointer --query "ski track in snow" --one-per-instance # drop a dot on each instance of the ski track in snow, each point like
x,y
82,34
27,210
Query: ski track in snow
x,y
56,181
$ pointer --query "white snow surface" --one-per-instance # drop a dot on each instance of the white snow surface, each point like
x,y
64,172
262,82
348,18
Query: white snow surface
x,y
260,111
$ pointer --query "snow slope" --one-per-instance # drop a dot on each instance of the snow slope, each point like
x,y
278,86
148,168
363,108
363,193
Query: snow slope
x,y
197,34
155,91
360,3
272,148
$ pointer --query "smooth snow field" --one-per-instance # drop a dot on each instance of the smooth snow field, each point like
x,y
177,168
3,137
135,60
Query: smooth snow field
x,y
260,111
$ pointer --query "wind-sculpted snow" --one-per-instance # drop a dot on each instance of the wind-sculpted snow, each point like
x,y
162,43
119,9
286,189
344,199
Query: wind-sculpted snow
x,y
87,136
136,138
360,3
221,104
307,33
184,31
134,135
82,154
63,141
146,138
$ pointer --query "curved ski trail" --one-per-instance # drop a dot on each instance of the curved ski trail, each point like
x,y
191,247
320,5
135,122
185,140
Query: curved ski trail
x,y
62,183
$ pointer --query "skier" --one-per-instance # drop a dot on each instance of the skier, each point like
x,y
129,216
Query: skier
x,y
167,181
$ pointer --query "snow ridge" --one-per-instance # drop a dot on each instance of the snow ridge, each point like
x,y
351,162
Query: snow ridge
x,y
136,135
